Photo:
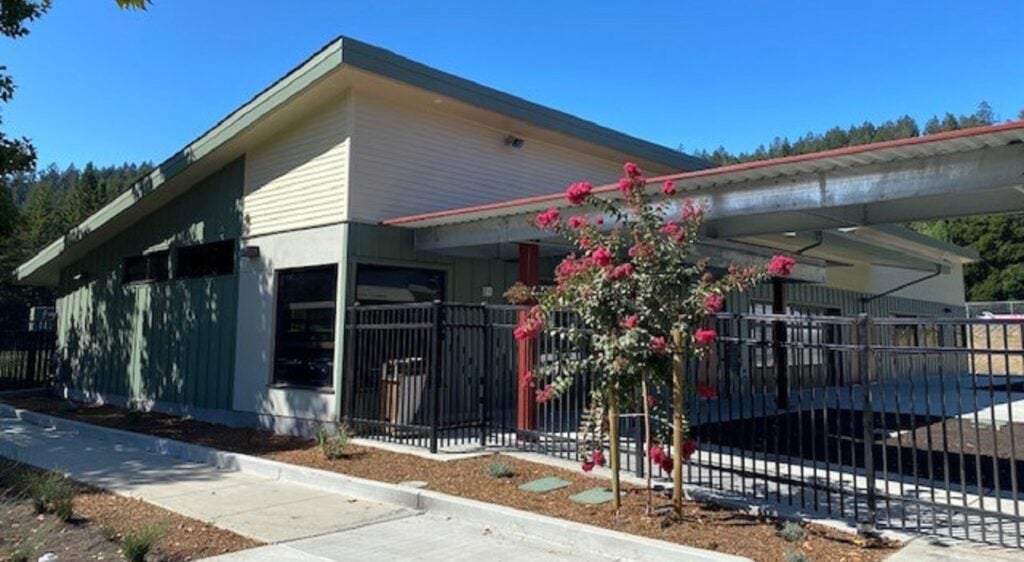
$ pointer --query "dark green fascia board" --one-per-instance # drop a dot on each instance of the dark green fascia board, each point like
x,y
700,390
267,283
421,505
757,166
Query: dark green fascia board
x,y
391,65
299,78
344,50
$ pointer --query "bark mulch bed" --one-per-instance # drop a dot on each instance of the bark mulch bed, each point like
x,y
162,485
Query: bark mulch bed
x,y
703,526
100,522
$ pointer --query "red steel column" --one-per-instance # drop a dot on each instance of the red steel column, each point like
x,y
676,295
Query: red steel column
x,y
526,404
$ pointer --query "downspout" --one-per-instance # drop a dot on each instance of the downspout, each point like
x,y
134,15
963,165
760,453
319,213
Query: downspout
x,y
819,239
865,300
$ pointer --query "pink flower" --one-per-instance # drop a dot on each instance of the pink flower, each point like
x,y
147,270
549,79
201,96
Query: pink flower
x,y
658,344
666,464
601,256
629,322
713,303
548,218
545,395
578,192
625,185
706,391
651,400
641,250
705,337
599,220
577,222
598,458
691,212
619,272
671,228
585,242
689,448
530,327
781,266
657,454
668,188
587,466
632,170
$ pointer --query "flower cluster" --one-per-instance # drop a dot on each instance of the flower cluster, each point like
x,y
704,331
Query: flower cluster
x,y
596,458
637,294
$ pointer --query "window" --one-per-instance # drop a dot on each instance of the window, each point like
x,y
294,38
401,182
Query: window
x,y
924,334
148,268
305,336
809,333
379,284
206,260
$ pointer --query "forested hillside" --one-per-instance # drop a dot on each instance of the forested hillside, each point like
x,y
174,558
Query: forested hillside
x,y
999,238
37,208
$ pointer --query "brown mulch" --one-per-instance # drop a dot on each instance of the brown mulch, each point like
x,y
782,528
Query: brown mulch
x,y
99,523
703,525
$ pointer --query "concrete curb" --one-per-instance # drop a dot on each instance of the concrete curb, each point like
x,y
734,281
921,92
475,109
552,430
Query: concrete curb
x,y
566,533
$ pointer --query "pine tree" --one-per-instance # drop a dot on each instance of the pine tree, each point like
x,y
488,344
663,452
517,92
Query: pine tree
x,y
39,225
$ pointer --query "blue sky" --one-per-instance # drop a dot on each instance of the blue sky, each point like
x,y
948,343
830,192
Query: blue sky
x,y
99,84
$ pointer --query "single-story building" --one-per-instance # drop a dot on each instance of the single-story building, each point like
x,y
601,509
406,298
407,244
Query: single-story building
x,y
218,285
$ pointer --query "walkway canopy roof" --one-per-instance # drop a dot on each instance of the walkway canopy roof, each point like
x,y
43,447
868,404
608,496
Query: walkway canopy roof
x,y
849,198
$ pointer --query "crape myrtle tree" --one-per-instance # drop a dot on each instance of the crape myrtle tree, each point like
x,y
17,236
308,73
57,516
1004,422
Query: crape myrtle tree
x,y
641,300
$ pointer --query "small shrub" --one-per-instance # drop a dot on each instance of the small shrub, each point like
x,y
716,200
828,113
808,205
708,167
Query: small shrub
x,y
52,492
792,532
500,469
332,445
796,556
137,543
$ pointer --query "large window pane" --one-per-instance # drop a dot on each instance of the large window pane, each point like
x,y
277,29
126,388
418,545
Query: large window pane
x,y
305,336
379,284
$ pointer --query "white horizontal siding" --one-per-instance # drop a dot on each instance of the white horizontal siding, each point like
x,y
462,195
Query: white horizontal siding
x,y
408,160
299,178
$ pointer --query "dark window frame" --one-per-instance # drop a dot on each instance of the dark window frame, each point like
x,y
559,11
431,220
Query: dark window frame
x,y
156,265
286,380
362,267
198,261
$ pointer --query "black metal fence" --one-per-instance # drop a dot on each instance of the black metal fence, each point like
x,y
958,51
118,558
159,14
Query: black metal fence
x,y
26,359
900,423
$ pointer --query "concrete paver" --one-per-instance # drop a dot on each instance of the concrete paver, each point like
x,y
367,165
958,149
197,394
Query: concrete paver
x,y
300,522
260,508
928,549
424,537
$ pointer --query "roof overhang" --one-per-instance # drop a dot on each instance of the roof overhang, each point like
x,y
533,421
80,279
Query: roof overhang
x,y
319,77
961,173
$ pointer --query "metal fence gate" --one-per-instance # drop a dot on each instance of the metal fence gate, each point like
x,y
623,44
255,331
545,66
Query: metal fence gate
x,y
26,359
902,423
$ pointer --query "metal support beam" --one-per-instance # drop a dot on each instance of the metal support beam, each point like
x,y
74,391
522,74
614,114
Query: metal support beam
x,y
973,182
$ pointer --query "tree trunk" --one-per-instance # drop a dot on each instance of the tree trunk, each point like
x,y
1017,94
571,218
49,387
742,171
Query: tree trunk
x,y
647,445
613,444
677,422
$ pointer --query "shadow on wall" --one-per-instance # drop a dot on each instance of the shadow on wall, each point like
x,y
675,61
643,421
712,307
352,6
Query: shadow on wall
x,y
167,341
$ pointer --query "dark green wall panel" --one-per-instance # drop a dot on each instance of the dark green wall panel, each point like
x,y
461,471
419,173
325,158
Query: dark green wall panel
x,y
172,341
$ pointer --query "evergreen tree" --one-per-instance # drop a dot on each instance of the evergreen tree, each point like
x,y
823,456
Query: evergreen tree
x,y
999,238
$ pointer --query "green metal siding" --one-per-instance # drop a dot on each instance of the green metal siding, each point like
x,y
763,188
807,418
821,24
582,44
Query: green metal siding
x,y
465,279
173,341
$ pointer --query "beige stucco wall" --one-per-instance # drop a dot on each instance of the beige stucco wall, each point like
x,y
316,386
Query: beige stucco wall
x,y
947,288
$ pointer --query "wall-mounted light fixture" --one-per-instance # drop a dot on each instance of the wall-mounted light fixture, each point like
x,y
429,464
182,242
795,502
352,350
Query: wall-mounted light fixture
x,y
514,141
250,252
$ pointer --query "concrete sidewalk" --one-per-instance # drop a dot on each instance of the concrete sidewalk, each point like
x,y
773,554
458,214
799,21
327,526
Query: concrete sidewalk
x,y
312,524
